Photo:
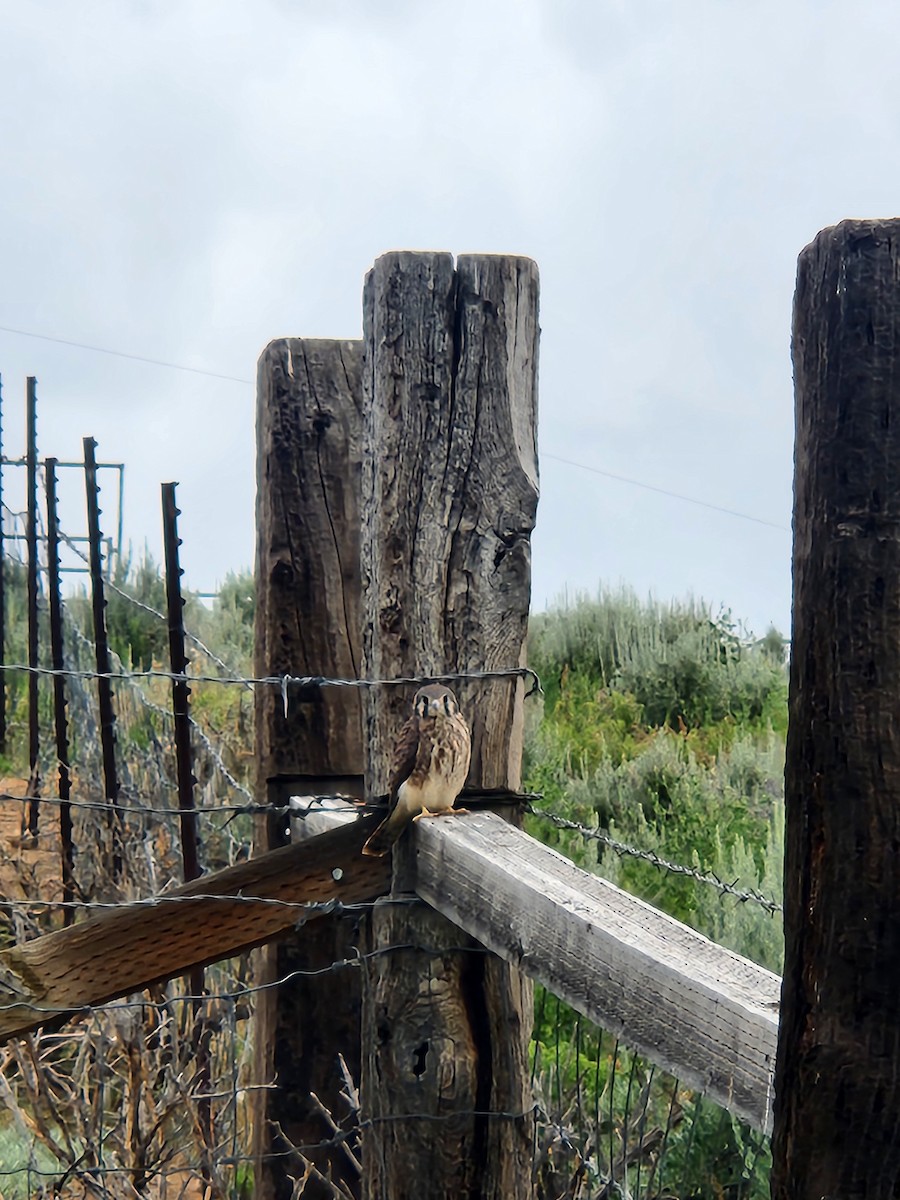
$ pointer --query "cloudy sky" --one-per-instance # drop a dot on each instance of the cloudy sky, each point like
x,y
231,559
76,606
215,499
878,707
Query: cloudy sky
x,y
186,181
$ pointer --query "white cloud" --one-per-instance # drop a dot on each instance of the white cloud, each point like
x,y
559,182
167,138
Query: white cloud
x,y
186,182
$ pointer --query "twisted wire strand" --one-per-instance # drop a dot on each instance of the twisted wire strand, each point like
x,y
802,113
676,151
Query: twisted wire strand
x,y
744,895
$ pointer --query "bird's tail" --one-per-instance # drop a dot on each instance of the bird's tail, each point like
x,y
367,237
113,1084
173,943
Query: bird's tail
x,y
382,840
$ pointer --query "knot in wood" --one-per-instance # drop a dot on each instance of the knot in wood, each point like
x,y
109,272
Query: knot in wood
x,y
282,573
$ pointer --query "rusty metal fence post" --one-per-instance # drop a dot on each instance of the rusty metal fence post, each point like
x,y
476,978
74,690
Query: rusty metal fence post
x,y
31,537
2,592
184,763
180,691
101,650
60,723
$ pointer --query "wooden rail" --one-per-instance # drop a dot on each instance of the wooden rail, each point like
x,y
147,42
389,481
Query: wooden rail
x,y
127,948
692,1007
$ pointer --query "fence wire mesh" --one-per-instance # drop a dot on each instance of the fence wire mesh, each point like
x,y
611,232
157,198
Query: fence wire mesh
x,y
152,1095
611,1124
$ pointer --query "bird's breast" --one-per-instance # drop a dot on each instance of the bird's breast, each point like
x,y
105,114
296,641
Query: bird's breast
x,y
429,793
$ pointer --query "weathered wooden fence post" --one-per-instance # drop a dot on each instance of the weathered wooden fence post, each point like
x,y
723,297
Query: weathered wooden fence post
x,y
838,1066
449,499
307,623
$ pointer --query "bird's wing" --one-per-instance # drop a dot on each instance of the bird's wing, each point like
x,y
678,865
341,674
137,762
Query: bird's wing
x,y
405,751
386,834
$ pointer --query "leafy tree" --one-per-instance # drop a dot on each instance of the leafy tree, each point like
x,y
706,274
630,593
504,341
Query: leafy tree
x,y
685,667
662,726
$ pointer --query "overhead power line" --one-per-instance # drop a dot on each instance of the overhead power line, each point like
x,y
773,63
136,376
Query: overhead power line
x,y
650,487
155,362
159,362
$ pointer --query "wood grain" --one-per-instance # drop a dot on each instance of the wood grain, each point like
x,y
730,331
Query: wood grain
x,y
449,499
133,946
694,1008
308,622
838,1078
450,489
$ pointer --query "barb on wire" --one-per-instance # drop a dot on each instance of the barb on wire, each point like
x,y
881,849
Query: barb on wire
x,y
301,682
165,714
245,990
744,895
143,810
153,612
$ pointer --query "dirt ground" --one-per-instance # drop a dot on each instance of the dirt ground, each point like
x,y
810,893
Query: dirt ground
x,y
29,868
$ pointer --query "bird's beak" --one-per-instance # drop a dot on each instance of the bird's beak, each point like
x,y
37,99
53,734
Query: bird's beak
x,y
434,708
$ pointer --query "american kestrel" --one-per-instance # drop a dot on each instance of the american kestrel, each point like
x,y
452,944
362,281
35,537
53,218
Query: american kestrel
x,y
431,762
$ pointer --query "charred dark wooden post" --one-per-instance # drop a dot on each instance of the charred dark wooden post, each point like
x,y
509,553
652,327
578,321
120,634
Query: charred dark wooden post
x,y
60,723
101,652
31,542
307,623
449,498
837,1086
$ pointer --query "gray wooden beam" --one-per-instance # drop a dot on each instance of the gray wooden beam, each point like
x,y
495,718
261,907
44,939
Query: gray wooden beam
x,y
449,492
692,1007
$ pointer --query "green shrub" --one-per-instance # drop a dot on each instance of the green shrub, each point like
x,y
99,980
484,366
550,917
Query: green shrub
x,y
665,728
684,667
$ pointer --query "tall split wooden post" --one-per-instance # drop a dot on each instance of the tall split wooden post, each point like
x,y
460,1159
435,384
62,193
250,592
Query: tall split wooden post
x,y
449,499
307,623
837,1084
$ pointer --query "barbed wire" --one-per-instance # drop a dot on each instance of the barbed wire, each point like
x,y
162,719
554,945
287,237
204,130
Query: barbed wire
x,y
253,808
214,754
285,682
153,612
130,676
166,715
245,990
146,810
282,682
309,908
744,895
624,849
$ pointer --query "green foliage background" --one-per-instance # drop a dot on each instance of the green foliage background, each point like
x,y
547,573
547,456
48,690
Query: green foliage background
x,y
663,725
